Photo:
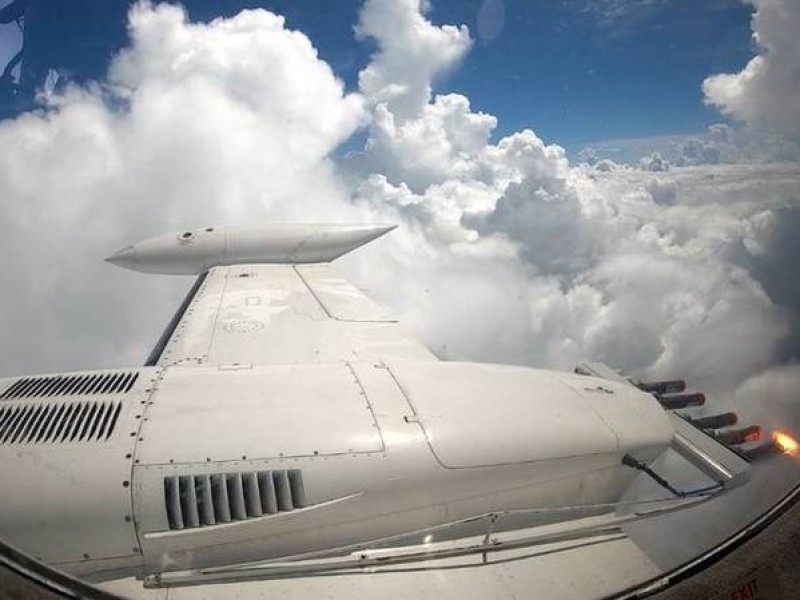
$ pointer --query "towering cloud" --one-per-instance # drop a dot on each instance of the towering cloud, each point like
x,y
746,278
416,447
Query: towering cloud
x,y
548,263
765,92
412,53
223,122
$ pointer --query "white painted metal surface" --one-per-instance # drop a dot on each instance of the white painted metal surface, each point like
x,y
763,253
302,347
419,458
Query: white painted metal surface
x,y
279,373
67,500
259,412
551,571
285,314
719,463
365,457
193,251
480,415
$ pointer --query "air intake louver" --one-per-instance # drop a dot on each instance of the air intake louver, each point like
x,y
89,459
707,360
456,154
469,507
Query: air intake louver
x,y
71,385
199,500
58,422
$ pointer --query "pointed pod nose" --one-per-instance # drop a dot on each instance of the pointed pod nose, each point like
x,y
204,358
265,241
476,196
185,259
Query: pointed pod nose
x,y
123,258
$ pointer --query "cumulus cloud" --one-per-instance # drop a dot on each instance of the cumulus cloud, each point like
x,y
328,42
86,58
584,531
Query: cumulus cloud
x,y
662,191
654,162
506,252
605,164
412,52
765,91
196,124
629,266
443,142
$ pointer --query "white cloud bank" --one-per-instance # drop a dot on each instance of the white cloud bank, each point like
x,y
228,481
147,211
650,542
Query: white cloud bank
x,y
766,91
506,252
196,124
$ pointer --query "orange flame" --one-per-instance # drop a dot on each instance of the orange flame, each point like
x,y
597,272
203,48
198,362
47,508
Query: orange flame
x,y
785,442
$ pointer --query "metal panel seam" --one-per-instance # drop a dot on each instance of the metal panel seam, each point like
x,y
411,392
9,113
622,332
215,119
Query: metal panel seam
x,y
369,405
313,294
222,272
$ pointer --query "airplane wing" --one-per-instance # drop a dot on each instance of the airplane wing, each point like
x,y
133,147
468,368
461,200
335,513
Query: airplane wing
x,y
321,502
281,314
277,300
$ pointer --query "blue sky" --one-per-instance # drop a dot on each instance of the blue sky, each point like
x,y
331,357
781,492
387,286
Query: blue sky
x,y
575,71
577,75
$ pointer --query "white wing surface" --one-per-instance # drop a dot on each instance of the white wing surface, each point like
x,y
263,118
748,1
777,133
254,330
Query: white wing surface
x,y
281,314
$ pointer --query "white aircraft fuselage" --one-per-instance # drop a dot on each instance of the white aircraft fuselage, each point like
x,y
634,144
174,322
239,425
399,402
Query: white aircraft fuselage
x,y
206,458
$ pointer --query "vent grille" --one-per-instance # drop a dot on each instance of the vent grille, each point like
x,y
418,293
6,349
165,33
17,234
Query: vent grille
x,y
72,385
58,422
200,500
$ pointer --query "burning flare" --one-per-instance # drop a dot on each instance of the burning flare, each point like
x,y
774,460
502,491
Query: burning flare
x,y
785,442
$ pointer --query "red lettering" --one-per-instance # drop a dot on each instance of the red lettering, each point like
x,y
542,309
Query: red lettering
x,y
748,591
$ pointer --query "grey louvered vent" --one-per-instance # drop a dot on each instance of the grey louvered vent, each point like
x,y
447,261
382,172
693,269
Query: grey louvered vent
x,y
58,422
199,500
71,385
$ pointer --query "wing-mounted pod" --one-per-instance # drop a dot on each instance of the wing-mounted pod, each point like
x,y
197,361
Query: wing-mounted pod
x,y
707,442
695,442
195,251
